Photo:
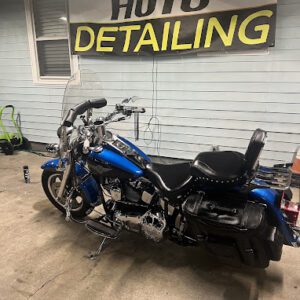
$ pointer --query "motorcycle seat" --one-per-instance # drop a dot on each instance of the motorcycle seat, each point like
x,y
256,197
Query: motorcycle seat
x,y
169,178
224,167
229,168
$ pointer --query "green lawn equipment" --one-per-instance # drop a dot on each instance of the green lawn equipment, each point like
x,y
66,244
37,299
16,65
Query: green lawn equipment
x,y
15,140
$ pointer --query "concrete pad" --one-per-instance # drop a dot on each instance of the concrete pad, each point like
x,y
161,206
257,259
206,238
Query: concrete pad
x,y
43,257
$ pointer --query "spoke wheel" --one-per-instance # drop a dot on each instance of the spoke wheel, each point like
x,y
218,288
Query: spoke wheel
x,y
54,183
51,181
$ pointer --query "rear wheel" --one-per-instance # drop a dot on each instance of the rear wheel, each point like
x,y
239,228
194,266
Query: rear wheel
x,y
51,181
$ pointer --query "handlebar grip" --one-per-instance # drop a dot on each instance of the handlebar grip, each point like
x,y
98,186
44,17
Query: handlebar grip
x,y
98,103
81,108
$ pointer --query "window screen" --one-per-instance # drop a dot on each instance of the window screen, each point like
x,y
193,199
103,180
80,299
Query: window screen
x,y
51,35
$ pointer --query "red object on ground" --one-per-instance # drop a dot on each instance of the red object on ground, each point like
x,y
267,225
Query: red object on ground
x,y
291,210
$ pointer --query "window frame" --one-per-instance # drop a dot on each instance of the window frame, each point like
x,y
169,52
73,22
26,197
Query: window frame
x,y
37,78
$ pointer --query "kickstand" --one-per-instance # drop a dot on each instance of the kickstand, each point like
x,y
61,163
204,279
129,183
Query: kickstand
x,y
94,254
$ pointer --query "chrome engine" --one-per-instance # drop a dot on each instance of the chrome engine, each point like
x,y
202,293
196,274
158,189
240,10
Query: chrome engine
x,y
153,226
136,196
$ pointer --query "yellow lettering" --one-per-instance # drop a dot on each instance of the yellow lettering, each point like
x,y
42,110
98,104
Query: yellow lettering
x,y
101,38
128,30
226,38
198,34
79,48
148,29
175,45
165,37
264,29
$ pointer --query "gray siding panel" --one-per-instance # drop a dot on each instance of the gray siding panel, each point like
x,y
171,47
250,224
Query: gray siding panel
x,y
215,99
39,106
205,100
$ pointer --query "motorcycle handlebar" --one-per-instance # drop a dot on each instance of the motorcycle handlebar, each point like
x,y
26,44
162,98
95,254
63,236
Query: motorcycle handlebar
x,y
128,110
140,110
98,103
82,108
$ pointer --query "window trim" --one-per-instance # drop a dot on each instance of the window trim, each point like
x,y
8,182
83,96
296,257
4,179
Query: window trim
x,y
34,54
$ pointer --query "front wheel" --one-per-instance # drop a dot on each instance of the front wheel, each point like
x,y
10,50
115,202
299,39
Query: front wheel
x,y
51,181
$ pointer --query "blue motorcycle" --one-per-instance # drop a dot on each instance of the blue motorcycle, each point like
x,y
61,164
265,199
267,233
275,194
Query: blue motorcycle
x,y
223,200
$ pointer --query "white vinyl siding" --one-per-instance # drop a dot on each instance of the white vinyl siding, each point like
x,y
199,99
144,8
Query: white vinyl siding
x,y
215,99
205,100
39,105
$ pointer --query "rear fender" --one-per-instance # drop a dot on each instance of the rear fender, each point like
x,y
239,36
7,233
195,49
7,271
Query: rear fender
x,y
88,185
269,197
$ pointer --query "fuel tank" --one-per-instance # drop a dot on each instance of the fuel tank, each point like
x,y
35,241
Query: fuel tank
x,y
134,147
114,159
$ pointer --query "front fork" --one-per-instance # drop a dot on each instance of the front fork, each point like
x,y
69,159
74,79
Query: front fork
x,y
64,181
69,170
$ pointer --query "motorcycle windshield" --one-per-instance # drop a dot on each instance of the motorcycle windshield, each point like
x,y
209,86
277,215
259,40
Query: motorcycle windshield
x,y
81,87
89,84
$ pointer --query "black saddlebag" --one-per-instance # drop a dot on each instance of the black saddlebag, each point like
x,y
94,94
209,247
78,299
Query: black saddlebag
x,y
237,231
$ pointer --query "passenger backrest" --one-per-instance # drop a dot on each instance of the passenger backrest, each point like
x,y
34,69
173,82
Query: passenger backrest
x,y
254,149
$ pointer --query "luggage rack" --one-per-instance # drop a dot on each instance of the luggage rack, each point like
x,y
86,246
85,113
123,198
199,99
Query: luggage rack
x,y
276,178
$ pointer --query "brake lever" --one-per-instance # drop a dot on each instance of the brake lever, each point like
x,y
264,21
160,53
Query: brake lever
x,y
127,100
114,121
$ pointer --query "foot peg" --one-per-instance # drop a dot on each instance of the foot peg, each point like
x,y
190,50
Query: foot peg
x,y
102,229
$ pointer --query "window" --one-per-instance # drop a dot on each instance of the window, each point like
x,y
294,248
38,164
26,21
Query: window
x,y
49,41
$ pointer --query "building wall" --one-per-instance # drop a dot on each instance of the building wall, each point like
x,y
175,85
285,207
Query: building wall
x,y
199,101
39,105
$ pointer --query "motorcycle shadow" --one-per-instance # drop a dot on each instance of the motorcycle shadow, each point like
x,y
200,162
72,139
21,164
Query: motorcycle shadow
x,y
197,269
166,266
